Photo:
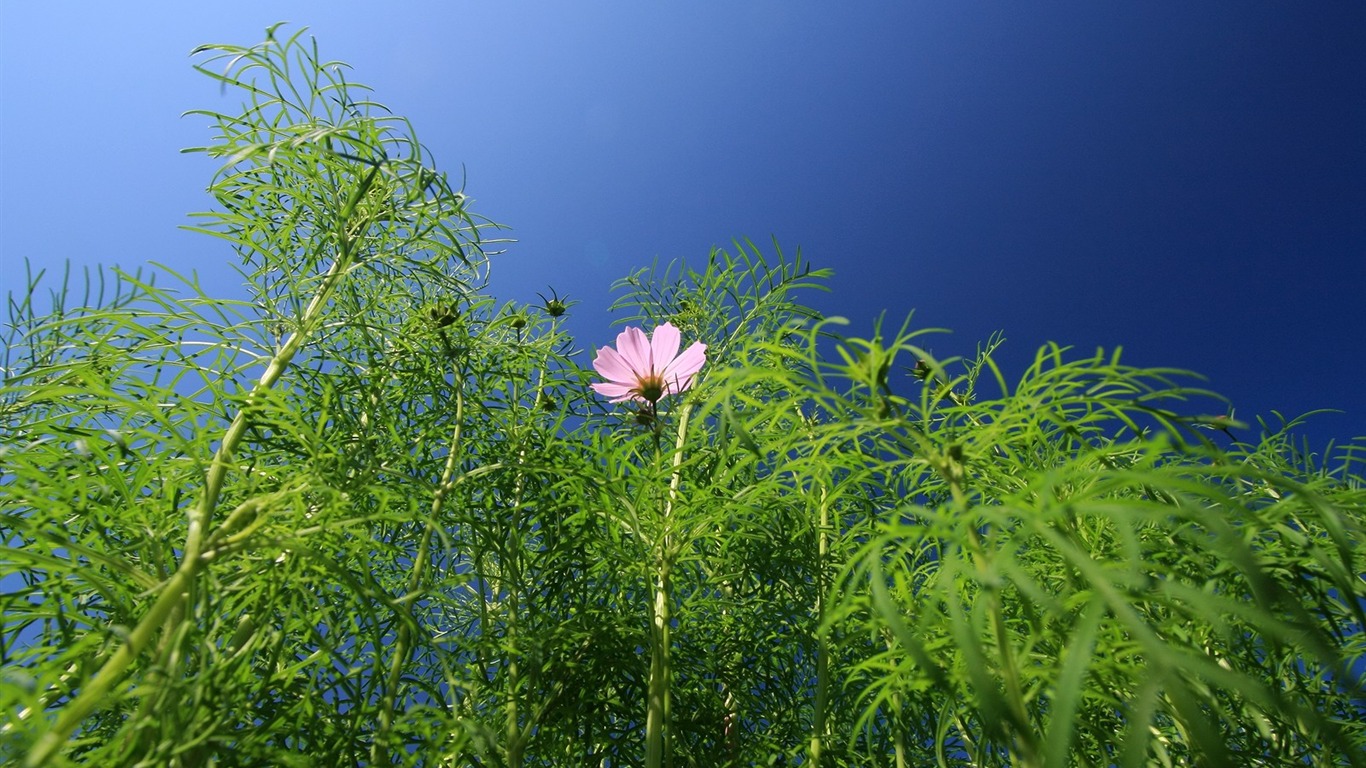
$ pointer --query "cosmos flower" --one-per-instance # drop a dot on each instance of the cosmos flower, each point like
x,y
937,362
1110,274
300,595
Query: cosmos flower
x,y
645,370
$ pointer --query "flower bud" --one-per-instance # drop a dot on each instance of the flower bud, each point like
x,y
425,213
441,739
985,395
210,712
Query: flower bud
x,y
554,306
442,315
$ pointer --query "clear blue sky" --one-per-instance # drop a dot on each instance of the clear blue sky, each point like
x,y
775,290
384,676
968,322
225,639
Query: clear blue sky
x,y
1185,179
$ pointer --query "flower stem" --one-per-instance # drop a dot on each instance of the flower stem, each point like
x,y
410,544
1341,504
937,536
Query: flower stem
x,y
657,709
658,734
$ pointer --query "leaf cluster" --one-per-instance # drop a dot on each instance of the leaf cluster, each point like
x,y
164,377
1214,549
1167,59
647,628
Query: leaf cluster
x,y
373,516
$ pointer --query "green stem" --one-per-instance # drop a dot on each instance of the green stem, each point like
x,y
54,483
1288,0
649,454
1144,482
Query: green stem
x,y
379,751
515,738
176,591
657,708
514,744
898,730
818,728
658,705
1026,749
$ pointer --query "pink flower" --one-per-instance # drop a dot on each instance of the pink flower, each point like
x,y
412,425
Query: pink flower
x,y
644,370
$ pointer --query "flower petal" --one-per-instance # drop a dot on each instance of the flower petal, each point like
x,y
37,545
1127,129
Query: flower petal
x,y
618,392
679,373
663,347
613,367
634,349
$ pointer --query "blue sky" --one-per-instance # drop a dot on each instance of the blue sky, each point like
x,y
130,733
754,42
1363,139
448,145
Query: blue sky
x,y
1187,180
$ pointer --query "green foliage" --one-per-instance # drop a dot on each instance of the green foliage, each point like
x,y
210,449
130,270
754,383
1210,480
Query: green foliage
x,y
371,516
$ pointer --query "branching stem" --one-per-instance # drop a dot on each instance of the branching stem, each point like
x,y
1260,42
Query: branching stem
x,y
403,643
175,593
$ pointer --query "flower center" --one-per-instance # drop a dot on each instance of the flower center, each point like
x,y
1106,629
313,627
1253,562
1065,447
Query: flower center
x,y
651,388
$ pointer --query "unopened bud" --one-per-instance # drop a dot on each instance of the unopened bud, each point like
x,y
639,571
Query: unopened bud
x,y
554,306
442,315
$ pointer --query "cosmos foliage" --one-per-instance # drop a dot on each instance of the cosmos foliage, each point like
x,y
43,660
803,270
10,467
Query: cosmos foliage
x,y
372,516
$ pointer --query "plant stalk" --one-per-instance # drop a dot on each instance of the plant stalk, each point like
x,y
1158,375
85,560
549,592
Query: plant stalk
x,y
657,719
176,591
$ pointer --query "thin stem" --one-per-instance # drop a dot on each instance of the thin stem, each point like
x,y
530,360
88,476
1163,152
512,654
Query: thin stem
x,y
818,727
515,738
898,730
952,468
657,713
177,590
1026,744
658,735
379,751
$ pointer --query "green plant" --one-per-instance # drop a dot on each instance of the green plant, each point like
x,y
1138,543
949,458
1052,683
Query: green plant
x,y
371,516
